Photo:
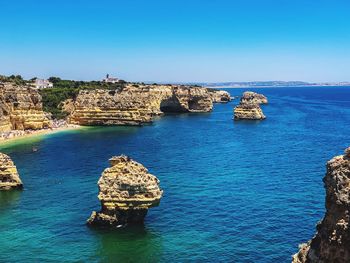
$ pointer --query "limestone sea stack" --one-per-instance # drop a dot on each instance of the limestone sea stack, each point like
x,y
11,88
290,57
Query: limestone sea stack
x,y
9,178
219,96
250,97
249,107
135,104
332,240
248,112
126,191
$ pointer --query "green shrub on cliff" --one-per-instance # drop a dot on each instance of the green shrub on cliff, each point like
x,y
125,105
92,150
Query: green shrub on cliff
x,y
53,97
68,89
17,79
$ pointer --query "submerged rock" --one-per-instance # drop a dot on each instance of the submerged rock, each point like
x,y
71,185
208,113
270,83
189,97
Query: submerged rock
x,y
9,178
332,240
249,107
126,192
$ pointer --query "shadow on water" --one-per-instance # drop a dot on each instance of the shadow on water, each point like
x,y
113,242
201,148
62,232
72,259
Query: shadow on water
x,y
9,198
129,244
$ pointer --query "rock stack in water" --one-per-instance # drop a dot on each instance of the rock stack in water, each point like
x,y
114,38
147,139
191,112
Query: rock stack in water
x,y
249,107
332,240
9,178
219,96
126,192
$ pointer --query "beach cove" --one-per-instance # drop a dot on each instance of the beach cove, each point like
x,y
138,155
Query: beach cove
x,y
232,190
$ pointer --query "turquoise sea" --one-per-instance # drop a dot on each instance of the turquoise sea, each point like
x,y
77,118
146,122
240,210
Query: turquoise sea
x,y
247,191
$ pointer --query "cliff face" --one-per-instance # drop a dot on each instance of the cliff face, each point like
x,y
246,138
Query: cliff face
x,y
21,109
9,178
249,107
126,192
332,240
135,105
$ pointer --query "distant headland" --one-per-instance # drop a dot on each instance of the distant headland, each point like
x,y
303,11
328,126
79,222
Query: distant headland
x,y
262,84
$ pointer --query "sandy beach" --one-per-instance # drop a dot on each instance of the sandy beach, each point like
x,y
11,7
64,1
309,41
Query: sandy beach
x,y
15,135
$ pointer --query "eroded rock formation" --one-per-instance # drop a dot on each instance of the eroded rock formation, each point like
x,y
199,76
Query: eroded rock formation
x,y
9,178
21,109
250,97
248,112
249,107
219,96
126,192
136,105
332,240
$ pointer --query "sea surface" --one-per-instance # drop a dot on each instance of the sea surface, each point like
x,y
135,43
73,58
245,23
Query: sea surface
x,y
234,191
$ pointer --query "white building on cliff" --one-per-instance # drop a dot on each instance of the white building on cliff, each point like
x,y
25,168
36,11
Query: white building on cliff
x,y
109,79
43,84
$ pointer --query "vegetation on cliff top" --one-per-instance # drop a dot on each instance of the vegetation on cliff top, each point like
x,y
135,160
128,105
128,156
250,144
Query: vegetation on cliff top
x,y
17,79
69,89
62,90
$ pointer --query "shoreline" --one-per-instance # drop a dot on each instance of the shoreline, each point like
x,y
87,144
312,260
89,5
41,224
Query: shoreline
x,y
35,133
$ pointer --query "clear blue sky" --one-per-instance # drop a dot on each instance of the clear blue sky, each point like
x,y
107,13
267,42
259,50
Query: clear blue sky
x,y
159,40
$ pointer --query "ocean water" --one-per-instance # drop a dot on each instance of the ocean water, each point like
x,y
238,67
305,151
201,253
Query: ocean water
x,y
245,191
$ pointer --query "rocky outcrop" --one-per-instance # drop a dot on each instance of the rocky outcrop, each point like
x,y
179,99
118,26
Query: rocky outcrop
x,y
126,192
21,109
9,178
250,97
248,112
135,105
249,107
332,240
219,96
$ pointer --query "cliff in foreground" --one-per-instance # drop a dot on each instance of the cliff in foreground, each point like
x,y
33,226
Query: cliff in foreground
x,y
9,178
332,240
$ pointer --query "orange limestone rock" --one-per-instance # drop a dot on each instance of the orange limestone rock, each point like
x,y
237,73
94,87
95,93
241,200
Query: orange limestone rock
x,y
219,96
135,104
126,192
9,178
249,107
248,112
250,97
21,108
332,240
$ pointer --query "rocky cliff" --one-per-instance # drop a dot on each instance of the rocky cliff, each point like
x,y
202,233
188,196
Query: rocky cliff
x,y
9,178
332,240
136,104
126,192
249,107
21,109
